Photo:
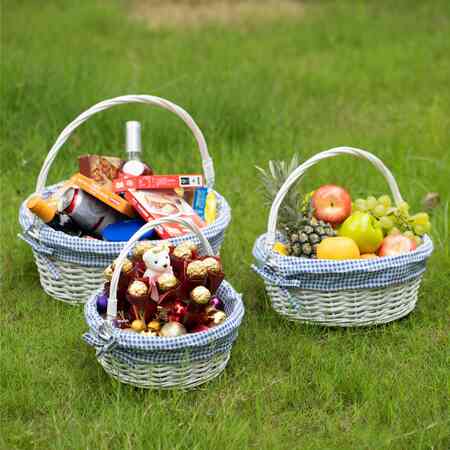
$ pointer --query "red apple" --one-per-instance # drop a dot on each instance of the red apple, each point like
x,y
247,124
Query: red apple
x,y
332,204
396,244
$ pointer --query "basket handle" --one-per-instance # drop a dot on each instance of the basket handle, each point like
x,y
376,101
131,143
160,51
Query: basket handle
x,y
112,302
300,170
207,163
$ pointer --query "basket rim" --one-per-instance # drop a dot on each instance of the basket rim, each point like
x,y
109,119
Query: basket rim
x,y
231,323
263,253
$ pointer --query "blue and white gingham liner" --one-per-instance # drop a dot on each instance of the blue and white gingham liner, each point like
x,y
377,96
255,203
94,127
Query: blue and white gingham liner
x,y
133,348
97,253
330,275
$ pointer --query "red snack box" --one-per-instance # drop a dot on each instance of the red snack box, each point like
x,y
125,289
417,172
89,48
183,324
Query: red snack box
x,y
153,205
102,169
158,182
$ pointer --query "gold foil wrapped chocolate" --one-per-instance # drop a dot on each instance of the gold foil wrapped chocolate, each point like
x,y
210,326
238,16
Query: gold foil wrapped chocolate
x,y
216,316
182,252
172,329
148,333
138,288
141,247
196,269
126,267
154,325
138,325
108,273
201,295
212,265
167,281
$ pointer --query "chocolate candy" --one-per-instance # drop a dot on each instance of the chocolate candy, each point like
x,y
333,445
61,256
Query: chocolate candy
x,y
201,295
212,265
141,248
167,281
196,269
138,288
172,329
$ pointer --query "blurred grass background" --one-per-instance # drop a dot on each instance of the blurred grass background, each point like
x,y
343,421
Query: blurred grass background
x,y
263,80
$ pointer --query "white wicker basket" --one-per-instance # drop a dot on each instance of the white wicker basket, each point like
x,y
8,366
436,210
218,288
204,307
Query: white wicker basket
x,y
156,362
71,268
350,293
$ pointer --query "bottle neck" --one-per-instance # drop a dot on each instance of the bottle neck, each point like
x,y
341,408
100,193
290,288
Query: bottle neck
x,y
134,156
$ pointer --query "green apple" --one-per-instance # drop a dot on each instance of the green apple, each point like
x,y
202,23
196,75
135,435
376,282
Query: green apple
x,y
364,229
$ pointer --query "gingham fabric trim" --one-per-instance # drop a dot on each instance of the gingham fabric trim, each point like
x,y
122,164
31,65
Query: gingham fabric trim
x,y
329,275
134,348
96,253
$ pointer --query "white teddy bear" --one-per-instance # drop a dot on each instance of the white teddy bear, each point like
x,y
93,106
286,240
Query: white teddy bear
x,y
157,261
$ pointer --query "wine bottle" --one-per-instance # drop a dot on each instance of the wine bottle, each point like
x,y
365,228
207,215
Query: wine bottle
x,y
134,165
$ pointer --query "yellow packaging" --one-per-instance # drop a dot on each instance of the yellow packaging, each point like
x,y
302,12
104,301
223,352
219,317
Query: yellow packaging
x,y
211,207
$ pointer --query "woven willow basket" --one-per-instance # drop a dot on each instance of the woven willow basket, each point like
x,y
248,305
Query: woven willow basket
x,y
71,268
156,362
349,293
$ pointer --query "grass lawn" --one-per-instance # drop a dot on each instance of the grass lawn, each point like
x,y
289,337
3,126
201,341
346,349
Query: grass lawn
x,y
374,75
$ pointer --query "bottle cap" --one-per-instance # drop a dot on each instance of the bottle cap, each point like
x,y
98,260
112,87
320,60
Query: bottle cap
x,y
133,137
41,208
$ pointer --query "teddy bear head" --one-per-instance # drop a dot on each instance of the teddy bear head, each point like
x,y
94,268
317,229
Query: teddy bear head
x,y
157,259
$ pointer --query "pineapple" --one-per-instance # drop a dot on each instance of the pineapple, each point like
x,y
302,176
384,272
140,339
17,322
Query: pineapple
x,y
303,231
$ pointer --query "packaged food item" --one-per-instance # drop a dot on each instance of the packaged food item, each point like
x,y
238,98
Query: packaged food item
x,y
103,194
134,165
50,216
124,229
153,205
211,207
158,182
199,201
102,169
87,212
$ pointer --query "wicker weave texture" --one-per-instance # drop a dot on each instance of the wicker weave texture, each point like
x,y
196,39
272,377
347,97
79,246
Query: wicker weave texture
x,y
345,308
76,282
165,376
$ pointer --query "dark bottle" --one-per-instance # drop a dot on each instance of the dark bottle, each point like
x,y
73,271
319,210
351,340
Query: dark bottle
x,y
49,215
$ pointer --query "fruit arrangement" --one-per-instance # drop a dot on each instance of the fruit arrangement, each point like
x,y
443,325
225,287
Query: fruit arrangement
x,y
327,224
166,291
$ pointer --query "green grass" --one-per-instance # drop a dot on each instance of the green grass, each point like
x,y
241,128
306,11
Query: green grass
x,y
374,75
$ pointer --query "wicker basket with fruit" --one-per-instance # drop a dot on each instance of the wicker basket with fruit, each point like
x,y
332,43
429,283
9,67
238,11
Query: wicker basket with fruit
x,y
336,262
166,318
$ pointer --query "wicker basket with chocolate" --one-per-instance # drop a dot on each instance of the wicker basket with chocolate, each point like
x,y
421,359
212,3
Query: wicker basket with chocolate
x,y
71,264
166,318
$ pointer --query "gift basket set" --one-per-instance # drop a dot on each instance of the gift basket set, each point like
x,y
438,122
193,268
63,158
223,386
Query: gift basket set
x,y
340,263
166,318
78,227
140,250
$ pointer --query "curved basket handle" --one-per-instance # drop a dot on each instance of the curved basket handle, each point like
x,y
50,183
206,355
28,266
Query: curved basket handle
x,y
207,163
112,302
300,170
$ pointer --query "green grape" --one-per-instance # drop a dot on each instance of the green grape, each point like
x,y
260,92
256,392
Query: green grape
x,y
360,205
371,202
403,208
394,230
386,223
422,229
379,210
420,218
409,234
385,200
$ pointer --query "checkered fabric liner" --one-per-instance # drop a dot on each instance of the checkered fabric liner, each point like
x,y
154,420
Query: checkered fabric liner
x,y
96,253
133,348
330,275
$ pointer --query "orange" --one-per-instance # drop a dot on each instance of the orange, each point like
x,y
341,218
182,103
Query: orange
x,y
369,256
337,248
